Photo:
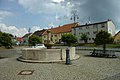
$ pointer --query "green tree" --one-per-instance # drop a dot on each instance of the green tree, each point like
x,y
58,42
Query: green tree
x,y
103,38
84,37
35,40
5,40
69,38
0,38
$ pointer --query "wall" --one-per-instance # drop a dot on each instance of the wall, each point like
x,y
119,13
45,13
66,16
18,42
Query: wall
x,y
46,54
92,29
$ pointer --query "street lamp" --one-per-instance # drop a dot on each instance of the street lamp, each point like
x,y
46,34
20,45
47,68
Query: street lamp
x,y
74,16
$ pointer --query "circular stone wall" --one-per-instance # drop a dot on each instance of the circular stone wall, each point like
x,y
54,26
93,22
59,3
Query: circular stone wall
x,y
46,55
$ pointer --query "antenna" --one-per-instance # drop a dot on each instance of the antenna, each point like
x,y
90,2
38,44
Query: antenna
x,y
89,20
29,30
74,16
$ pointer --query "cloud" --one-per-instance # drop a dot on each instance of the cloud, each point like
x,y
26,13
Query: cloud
x,y
17,31
45,6
57,0
97,10
13,30
35,28
4,14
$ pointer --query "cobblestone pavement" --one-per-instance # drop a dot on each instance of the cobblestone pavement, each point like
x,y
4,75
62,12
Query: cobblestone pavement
x,y
85,68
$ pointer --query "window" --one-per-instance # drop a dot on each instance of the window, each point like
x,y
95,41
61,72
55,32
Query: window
x,y
89,38
102,25
87,33
94,32
44,37
51,35
56,35
80,28
95,26
51,39
93,38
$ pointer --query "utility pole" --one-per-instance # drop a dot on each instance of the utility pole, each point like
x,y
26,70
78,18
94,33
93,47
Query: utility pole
x,y
74,16
29,30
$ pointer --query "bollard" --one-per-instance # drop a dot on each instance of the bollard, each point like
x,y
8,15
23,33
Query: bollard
x,y
67,57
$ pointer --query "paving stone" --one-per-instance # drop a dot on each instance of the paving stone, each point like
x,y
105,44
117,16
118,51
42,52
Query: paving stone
x,y
85,68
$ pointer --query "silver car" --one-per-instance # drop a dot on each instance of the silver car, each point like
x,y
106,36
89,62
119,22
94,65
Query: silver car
x,y
39,46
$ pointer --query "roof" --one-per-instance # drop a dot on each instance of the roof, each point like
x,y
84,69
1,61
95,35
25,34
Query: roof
x,y
20,39
26,35
93,23
39,32
62,29
117,34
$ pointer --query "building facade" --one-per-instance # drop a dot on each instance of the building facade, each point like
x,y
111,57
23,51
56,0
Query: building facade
x,y
92,29
26,38
117,38
56,33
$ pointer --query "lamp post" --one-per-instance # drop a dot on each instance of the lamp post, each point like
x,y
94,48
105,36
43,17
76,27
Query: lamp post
x,y
67,57
74,16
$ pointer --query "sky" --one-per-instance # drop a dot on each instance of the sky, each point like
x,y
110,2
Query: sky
x,y
17,16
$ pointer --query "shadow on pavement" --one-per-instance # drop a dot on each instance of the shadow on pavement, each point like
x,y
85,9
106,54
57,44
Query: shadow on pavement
x,y
2,57
99,56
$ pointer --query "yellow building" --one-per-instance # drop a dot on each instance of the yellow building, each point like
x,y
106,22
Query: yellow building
x,y
56,33
117,38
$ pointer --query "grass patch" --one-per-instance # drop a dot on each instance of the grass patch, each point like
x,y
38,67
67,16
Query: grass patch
x,y
92,45
113,45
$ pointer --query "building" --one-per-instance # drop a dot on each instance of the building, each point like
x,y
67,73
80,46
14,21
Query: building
x,y
92,29
117,37
26,38
56,33
39,32
19,40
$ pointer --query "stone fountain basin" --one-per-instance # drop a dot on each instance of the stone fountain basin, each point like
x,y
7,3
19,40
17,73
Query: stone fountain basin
x,y
46,55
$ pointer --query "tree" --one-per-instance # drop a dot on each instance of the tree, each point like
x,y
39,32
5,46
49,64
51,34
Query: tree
x,y
84,37
6,40
69,38
103,38
0,38
35,40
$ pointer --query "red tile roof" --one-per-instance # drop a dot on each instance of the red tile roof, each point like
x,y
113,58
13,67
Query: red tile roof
x,y
62,29
20,39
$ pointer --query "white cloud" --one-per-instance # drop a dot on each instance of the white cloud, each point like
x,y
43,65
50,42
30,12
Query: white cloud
x,y
4,14
35,28
17,31
45,6
51,25
13,30
57,0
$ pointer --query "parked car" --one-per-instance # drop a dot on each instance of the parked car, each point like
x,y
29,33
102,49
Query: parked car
x,y
39,46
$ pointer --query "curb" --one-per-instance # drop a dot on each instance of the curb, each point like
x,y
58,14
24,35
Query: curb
x,y
47,61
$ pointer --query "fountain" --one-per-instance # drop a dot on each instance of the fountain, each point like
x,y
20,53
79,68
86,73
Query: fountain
x,y
47,55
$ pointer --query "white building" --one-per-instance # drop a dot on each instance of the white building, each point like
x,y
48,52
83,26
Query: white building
x,y
92,29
